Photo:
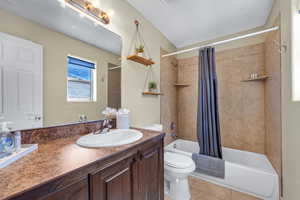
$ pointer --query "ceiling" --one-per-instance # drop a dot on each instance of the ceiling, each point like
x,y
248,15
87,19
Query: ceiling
x,y
51,14
186,22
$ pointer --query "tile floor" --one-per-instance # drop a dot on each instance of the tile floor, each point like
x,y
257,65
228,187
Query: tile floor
x,y
201,190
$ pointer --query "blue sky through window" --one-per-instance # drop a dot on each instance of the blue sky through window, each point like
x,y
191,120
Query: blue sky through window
x,y
79,72
80,78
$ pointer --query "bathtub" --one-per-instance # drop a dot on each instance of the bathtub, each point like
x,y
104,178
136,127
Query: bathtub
x,y
246,172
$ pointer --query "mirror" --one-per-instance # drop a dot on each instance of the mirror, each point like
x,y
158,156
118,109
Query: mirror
x,y
56,65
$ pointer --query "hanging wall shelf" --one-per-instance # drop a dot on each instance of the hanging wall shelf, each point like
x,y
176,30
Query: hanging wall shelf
x,y
139,51
260,78
141,60
181,85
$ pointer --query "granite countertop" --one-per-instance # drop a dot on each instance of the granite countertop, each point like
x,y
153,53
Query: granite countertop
x,y
55,159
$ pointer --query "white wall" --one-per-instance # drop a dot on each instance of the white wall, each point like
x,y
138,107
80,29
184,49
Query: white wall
x,y
145,110
290,108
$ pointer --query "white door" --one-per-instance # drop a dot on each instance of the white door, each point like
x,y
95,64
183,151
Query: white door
x,y
21,86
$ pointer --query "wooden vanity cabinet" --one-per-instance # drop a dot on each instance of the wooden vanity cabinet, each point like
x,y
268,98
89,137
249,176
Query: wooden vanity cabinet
x,y
135,174
151,177
138,177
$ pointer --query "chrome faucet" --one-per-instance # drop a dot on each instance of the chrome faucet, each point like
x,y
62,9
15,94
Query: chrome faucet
x,y
105,127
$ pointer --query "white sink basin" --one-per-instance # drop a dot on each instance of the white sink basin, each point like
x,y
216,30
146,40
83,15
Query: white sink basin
x,y
111,139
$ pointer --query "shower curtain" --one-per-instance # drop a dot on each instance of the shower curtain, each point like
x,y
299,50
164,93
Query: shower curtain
x,y
208,126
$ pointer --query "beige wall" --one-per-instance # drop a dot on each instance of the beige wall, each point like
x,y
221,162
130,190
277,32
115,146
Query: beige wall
x,y
288,12
168,73
56,48
144,110
289,20
241,104
290,108
273,102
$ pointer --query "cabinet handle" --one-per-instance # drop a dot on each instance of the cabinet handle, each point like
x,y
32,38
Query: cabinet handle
x,y
135,158
141,156
138,156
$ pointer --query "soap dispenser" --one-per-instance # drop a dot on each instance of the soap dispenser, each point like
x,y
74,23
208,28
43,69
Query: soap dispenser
x,y
7,140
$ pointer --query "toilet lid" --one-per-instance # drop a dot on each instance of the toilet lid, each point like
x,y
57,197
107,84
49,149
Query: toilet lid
x,y
178,161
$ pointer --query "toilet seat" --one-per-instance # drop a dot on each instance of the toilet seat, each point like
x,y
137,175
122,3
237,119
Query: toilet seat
x,y
178,162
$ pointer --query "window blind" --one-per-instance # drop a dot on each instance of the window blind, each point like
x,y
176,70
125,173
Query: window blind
x,y
76,61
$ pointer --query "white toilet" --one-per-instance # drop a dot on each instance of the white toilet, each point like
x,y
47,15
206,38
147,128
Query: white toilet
x,y
177,169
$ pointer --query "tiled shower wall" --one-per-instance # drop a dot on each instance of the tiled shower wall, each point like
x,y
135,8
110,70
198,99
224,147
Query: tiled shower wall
x,y
241,104
273,102
169,99
250,112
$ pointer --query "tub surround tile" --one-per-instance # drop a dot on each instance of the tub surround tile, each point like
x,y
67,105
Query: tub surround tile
x,y
242,105
250,112
56,158
273,102
168,101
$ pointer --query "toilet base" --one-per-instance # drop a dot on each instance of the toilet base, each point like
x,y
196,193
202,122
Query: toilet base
x,y
178,189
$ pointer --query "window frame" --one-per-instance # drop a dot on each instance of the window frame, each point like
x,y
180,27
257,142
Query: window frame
x,y
92,82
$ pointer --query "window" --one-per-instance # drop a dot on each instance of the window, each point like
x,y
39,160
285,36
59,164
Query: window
x,y
80,80
295,53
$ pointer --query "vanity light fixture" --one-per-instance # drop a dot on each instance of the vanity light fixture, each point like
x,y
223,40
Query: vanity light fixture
x,y
86,8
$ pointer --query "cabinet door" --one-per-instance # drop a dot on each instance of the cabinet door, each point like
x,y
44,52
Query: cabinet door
x,y
151,176
115,182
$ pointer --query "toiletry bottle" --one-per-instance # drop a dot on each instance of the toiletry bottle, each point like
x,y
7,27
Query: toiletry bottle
x,y
7,141
18,141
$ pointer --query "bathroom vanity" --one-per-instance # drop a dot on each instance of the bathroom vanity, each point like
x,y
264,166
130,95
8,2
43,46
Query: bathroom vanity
x,y
62,170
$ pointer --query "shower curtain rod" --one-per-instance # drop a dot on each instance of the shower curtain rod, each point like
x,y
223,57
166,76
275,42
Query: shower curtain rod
x,y
223,41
